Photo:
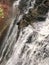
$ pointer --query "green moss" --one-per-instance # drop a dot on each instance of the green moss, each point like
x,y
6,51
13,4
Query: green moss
x,y
1,12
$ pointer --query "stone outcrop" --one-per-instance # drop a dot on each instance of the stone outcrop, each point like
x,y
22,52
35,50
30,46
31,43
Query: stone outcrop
x,y
38,13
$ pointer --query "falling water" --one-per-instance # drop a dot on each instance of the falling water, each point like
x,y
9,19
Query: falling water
x,y
27,46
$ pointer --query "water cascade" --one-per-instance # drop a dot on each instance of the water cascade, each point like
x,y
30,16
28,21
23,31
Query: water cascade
x,y
27,39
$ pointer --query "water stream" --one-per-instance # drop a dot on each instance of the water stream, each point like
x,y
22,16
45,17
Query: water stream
x,y
27,46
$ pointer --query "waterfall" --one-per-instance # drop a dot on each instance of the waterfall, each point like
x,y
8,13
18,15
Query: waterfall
x,y
27,46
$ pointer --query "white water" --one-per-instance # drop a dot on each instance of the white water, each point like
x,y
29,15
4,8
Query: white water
x,y
20,51
40,35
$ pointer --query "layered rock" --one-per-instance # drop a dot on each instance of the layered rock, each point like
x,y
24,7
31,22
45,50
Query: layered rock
x,y
38,13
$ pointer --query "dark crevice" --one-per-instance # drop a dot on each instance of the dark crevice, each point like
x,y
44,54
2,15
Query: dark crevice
x,y
29,40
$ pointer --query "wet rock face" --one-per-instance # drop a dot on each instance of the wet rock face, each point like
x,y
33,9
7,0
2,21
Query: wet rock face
x,y
24,4
27,40
37,13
